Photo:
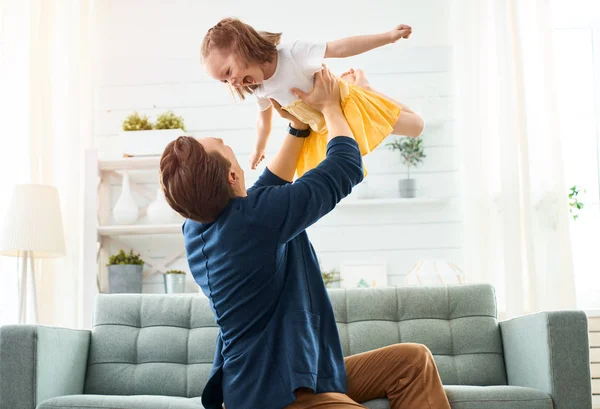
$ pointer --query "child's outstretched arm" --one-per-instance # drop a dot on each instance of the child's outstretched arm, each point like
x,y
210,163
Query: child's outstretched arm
x,y
349,46
263,130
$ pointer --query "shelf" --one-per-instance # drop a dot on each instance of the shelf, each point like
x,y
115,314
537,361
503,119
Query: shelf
x,y
143,162
394,201
140,229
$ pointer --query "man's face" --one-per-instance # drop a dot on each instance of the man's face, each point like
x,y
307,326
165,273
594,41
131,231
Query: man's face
x,y
217,145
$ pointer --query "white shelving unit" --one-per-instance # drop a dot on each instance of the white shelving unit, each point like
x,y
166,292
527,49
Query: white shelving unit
x,y
138,229
394,201
98,233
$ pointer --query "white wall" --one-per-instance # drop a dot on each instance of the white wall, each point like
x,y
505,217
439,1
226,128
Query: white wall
x,y
147,59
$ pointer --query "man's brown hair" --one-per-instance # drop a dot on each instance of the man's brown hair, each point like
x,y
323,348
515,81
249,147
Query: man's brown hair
x,y
231,34
194,181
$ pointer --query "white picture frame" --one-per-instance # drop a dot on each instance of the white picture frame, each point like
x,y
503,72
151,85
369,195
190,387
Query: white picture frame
x,y
364,274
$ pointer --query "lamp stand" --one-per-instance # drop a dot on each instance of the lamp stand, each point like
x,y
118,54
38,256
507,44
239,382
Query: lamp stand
x,y
26,257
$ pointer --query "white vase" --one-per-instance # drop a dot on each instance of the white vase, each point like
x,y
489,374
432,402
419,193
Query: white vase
x,y
159,211
125,210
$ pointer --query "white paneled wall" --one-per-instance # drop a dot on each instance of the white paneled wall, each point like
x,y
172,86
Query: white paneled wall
x,y
147,59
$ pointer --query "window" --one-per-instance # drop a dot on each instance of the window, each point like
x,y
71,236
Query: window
x,y
577,72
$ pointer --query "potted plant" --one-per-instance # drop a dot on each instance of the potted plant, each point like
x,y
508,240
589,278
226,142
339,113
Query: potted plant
x,y
143,138
168,120
330,277
135,122
411,154
174,281
125,272
574,204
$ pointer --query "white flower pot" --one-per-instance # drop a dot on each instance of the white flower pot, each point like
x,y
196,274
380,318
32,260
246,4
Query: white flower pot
x,y
125,210
159,211
148,143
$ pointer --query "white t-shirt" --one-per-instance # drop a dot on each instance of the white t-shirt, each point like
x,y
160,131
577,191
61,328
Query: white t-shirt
x,y
297,64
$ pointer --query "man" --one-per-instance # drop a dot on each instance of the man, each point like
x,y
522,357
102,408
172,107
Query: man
x,y
278,345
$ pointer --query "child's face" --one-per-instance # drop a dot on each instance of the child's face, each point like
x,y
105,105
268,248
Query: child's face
x,y
226,66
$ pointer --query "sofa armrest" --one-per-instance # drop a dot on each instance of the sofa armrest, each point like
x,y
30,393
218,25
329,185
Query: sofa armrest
x,y
38,363
550,352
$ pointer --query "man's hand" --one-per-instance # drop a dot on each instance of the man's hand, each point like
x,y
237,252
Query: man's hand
x,y
402,31
325,93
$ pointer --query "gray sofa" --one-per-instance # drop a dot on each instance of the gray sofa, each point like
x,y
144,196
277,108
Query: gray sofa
x,y
155,351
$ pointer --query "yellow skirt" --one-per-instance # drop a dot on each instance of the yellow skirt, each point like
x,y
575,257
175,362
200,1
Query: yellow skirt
x,y
371,118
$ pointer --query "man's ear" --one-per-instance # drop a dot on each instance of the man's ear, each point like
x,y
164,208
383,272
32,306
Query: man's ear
x,y
232,177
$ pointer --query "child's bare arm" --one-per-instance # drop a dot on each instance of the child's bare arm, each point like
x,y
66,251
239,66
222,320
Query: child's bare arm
x,y
347,47
285,161
263,130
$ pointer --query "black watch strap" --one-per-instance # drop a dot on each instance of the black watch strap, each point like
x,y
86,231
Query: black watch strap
x,y
298,133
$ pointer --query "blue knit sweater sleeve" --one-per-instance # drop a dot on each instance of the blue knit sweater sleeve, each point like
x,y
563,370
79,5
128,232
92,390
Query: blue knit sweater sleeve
x,y
290,208
267,178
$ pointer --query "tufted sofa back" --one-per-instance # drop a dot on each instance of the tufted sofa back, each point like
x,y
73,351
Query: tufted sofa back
x,y
457,323
164,344
151,345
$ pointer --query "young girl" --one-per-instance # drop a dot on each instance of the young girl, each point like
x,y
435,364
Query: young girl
x,y
254,63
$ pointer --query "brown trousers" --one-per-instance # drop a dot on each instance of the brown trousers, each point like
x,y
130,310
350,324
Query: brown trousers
x,y
404,373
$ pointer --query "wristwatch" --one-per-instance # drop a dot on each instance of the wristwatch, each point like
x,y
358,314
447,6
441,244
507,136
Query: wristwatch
x,y
298,133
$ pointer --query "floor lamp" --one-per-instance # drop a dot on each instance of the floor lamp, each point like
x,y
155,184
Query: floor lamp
x,y
32,229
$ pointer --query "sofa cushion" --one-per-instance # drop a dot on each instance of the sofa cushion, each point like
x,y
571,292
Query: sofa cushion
x,y
120,402
486,397
457,323
151,344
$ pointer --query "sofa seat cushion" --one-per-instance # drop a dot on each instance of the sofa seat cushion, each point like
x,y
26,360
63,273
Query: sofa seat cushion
x,y
120,402
486,397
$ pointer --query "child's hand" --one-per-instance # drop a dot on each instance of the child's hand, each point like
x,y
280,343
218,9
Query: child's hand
x,y
402,31
255,159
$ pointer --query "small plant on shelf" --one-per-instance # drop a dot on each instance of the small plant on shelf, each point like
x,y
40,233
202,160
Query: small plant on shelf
x,y
411,151
411,154
168,120
175,272
575,205
330,277
122,258
135,122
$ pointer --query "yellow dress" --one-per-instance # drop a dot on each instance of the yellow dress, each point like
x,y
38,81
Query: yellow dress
x,y
371,118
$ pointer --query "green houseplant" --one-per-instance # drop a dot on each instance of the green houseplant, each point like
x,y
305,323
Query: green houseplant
x,y
174,281
411,154
168,120
330,277
150,139
135,122
125,272
575,205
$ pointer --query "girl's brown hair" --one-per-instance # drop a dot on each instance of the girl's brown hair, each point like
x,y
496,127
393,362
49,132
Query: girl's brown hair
x,y
252,46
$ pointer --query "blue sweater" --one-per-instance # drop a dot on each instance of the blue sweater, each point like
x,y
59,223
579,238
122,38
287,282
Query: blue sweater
x,y
277,330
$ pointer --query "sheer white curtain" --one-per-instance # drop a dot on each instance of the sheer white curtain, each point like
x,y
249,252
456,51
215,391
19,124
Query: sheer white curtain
x,y
53,84
14,149
516,219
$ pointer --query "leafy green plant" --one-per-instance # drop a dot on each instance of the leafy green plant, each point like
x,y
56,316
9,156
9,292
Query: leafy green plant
x,y
135,122
168,120
411,151
125,258
175,272
330,277
575,205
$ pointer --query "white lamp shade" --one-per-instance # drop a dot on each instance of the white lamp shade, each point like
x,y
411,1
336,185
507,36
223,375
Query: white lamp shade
x,y
33,223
